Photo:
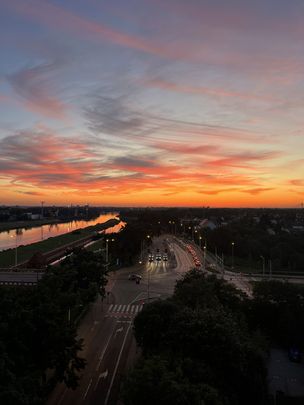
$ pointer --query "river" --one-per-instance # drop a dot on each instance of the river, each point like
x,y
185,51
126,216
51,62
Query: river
x,y
25,236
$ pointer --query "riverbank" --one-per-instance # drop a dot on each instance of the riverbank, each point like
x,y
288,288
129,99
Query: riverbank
x,y
24,253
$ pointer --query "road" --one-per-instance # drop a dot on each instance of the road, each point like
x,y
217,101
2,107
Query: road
x,y
109,345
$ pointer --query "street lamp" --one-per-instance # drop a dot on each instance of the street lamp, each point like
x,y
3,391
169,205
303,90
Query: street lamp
x,y
107,250
232,254
263,258
16,253
205,250
148,271
200,241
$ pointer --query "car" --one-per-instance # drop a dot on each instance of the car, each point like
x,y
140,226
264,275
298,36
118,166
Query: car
x,y
165,258
294,354
151,258
134,277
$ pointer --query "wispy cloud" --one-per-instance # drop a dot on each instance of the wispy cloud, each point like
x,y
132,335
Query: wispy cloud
x,y
32,84
55,16
207,91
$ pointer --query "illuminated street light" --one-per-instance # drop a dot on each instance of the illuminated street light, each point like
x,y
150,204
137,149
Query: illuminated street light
x,y
107,250
232,254
205,250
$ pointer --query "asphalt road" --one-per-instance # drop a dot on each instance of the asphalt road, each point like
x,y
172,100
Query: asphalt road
x,y
109,345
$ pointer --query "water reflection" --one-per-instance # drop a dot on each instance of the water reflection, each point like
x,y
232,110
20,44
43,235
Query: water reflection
x,y
116,228
24,236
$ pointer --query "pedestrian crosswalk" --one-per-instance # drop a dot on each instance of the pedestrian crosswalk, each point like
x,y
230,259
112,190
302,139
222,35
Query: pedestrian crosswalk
x,y
126,310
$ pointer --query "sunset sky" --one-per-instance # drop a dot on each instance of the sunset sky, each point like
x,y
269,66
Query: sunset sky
x,y
152,102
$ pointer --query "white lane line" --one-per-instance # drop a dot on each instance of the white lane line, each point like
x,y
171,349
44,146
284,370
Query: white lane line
x,y
115,308
132,309
136,309
62,397
128,307
140,308
103,352
123,308
85,394
110,307
137,297
118,309
116,366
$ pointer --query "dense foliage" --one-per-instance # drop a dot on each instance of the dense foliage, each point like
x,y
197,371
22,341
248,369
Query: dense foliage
x,y
197,349
278,311
38,340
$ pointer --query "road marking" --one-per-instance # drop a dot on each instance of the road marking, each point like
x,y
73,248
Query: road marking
x,y
104,350
101,376
128,307
62,397
119,330
85,394
137,297
110,307
118,309
114,309
116,366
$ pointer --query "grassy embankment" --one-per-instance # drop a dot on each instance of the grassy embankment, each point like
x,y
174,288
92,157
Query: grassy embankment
x,y
7,257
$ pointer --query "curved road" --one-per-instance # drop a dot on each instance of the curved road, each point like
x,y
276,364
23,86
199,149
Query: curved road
x,y
109,345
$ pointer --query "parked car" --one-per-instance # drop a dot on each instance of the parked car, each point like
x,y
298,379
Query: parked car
x,y
294,354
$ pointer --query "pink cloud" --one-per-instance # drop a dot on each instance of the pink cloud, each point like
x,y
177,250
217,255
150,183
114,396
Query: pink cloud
x,y
58,17
214,92
32,85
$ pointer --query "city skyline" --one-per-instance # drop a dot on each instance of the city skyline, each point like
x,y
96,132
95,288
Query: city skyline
x,y
152,103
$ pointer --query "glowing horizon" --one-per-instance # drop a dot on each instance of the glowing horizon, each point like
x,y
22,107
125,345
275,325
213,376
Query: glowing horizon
x,y
152,103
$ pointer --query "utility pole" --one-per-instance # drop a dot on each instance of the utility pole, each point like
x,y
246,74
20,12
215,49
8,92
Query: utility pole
x,y
263,259
205,248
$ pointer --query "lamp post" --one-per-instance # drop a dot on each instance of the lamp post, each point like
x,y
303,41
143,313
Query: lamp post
x,y
263,259
148,271
200,241
16,253
107,251
232,254
205,249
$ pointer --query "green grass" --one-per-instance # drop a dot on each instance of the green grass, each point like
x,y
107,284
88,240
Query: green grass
x,y
7,257
98,244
